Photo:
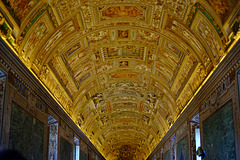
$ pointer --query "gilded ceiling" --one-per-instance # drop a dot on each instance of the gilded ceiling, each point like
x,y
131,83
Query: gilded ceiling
x,y
123,70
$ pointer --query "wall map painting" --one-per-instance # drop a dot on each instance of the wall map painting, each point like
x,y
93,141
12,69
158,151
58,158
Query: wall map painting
x,y
220,125
26,134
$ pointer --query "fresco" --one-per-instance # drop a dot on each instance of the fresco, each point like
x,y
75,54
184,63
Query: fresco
x,y
167,155
164,70
222,7
187,68
73,49
182,149
83,70
83,78
83,155
41,11
172,48
124,75
183,31
177,8
53,141
122,11
65,149
21,88
36,36
198,6
19,9
98,37
171,58
123,33
128,50
158,73
66,28
131,50
26,134
142,53
73,61
147,36
105,67
112,51
65,8
123,64
219,125
207,34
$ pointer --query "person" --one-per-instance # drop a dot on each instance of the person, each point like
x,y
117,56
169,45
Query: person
x,y
8,154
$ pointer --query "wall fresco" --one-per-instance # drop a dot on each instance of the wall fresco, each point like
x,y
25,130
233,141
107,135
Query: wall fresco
x,y
167,155
83,155
65,149
26,134
21,88
182,149
218,131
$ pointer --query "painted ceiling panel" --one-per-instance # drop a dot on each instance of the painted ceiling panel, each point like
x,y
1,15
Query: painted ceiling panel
x,y
122,70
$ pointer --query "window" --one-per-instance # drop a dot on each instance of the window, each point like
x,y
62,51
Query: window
x,y
76,153
195,136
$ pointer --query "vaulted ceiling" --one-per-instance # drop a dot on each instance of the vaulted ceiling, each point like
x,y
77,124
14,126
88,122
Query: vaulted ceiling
x,y
123,70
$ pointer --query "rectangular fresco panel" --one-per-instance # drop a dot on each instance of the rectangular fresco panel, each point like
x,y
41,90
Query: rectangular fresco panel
x,y
218,135
53,137
26,134
73,49
122,11
19,8
83,155
182,149
172,48
65,149
167,155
